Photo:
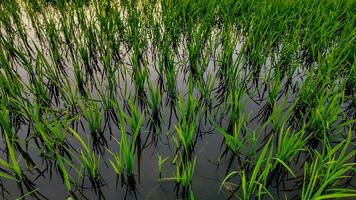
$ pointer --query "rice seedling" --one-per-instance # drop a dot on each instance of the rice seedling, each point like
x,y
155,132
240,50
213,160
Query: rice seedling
x,y
228,43
325,116
161,161
186,129
135,119
184,176
206,91
154,102
240,138
254,185
64,172
123,162
14,166
289,146
11,85
167,65
242,142
93,115
323,175
236,105
272,96
12,169
89,161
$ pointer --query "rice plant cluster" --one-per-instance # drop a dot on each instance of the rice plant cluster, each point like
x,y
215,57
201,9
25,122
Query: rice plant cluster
x,y
95,89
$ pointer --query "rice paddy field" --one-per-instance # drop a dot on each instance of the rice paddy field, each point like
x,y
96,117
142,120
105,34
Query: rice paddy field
x,y
177,99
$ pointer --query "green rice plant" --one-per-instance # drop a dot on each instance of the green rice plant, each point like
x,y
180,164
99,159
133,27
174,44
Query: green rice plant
x,y
41,131
349,91
27,194
69,97
58,135
171,83
32,8
48,131
206,91
324,117
241,140
273,91
275,87
10,81
54,80
64,172
195,50
79,79
154,102
186,128
89,161
228,45
5,120
15,172
236,105
93,115
66,27
139,77
305,97
139,64
167,65
254,185
280,116
117,164
184,176
124,160
108,90
13,9
11,169
61,164
36,76
135,119
53,39
289,145
161,161
324,175
88,68
56,127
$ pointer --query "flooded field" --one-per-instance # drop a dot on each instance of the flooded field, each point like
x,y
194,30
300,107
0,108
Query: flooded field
x,y
168,99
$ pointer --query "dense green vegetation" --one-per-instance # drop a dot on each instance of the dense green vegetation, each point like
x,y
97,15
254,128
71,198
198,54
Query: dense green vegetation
x,y
274,80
